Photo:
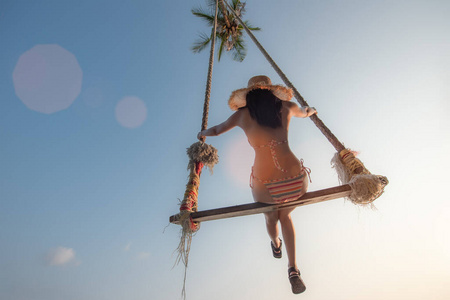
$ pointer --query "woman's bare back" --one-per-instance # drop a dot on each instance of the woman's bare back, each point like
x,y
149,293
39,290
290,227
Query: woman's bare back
x,y
271,147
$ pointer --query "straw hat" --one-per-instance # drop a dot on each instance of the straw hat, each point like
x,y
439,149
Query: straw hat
x,y
238,97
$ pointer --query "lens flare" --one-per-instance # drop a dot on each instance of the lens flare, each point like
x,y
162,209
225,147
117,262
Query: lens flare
x,y
239,160
131,112
47,78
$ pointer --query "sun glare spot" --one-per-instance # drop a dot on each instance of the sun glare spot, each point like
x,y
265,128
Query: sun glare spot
x,y
239,160
131,112
47,78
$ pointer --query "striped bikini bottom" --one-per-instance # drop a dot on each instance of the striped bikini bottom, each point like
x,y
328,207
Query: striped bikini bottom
x,y
285,189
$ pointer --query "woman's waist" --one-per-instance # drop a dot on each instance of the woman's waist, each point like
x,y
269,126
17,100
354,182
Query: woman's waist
x,y
283,156
280,151
266,168
267,172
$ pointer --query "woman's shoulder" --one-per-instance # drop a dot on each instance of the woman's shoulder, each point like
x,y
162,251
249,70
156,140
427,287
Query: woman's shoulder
x,y
289,107
239,117
242,112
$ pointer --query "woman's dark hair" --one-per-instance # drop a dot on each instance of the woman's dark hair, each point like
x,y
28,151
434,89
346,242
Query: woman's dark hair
x,y
264,107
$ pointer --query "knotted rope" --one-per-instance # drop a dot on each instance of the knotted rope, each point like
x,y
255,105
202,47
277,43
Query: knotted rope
x,y
366,187
200,154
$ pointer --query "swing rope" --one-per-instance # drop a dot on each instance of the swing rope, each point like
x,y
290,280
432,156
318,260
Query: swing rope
x,y
365,186
200,154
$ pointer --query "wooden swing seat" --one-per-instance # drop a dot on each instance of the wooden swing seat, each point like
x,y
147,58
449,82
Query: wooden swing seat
x,y
258,207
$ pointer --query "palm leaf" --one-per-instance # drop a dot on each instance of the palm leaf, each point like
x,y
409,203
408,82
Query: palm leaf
x,y
201,43
239,50
221,47
247,23
235,4
202,14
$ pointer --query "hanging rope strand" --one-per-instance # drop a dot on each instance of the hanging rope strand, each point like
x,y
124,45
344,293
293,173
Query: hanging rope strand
x,y
318,122
209,78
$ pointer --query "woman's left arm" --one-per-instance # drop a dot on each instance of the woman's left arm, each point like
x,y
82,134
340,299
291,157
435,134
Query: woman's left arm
x,y
301,112
230,123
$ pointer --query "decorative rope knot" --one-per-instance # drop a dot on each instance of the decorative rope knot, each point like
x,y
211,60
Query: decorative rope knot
x,y
190,200
200,154
366,187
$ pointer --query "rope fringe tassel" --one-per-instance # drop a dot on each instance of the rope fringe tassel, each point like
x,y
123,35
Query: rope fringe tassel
x,y
366,187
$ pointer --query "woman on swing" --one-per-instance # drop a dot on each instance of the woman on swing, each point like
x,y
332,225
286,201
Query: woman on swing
x,y
263,111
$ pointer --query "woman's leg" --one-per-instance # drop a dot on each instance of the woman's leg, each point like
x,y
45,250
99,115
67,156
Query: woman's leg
x,y
287,227
297,284
272,227
260,194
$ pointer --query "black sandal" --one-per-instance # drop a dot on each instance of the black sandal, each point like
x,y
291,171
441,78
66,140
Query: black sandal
x,y
296,281
276,251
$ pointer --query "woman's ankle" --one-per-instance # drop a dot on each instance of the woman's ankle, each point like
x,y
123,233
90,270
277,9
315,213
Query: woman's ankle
x,y
277,242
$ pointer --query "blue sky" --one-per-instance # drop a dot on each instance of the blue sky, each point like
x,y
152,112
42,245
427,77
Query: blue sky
x,y
100,99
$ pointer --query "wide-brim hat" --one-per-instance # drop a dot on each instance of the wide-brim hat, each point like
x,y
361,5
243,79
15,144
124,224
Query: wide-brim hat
x,y
238,97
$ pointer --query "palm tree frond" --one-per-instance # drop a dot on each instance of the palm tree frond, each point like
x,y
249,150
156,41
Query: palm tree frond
x,y
202,14
247,23
239,50
236,4
221,47
201,43
211,3
239,54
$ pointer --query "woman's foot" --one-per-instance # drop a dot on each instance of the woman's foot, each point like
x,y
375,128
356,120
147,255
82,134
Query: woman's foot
x,y
276,251
296,281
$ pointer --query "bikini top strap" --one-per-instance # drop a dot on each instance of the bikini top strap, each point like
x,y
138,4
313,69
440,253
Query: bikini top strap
x,y
271,144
